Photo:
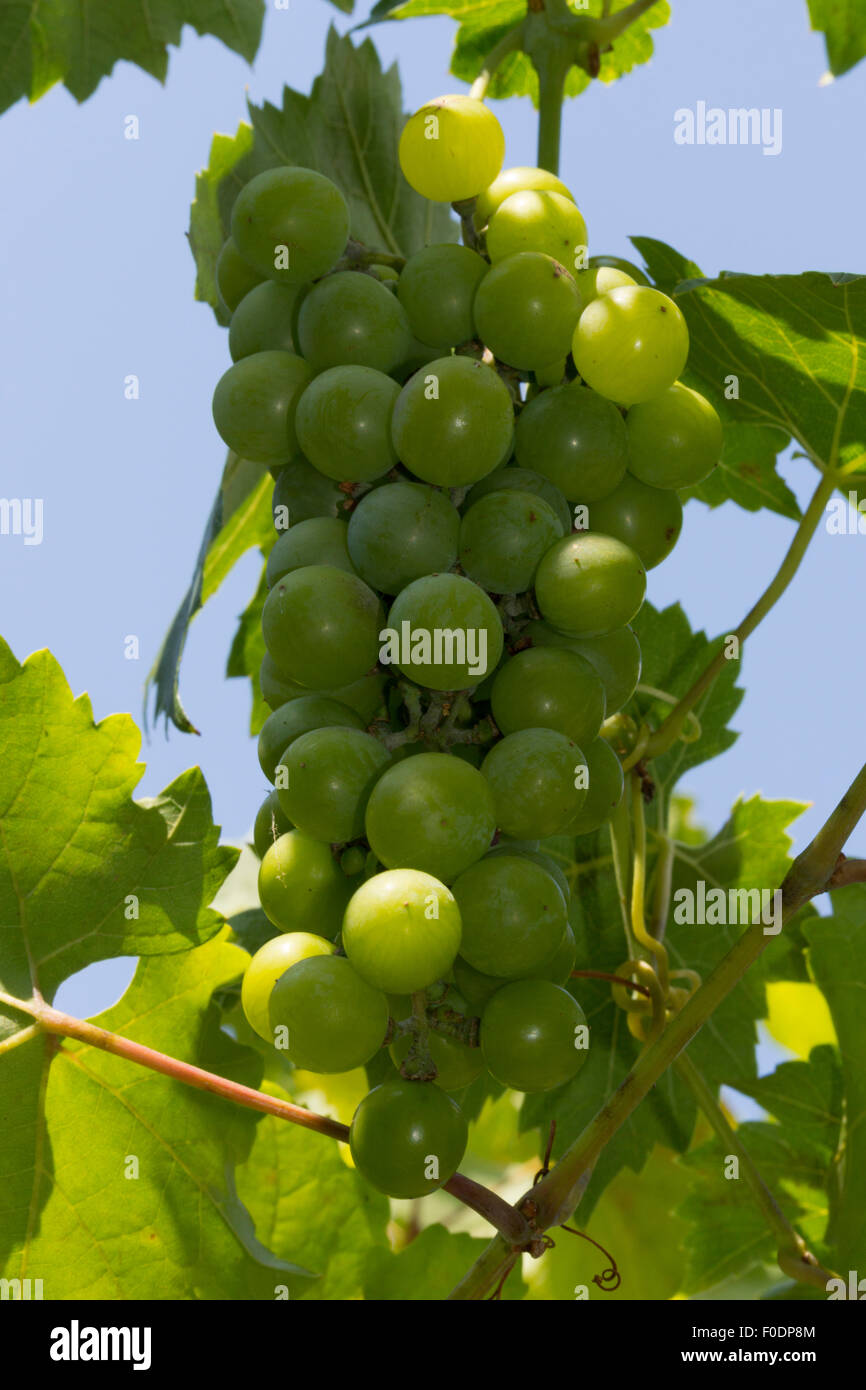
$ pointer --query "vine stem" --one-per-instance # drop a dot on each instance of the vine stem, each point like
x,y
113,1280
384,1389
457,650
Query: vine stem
x,y
505,1218
671,727
554,1199
791,1246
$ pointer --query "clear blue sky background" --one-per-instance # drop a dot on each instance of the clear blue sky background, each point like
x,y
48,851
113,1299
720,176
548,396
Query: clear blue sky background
x,y
98,283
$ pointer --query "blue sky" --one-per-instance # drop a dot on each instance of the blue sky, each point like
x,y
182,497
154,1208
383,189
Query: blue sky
x,y
99,284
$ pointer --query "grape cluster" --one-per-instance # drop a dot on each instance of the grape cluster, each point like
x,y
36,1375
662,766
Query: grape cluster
x,y
477,456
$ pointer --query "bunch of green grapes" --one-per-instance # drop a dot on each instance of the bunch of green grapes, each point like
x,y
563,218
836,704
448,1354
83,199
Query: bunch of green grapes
x,y
477,456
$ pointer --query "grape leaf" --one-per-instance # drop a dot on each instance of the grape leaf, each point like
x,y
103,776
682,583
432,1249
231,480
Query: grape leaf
x,y
86,873
117,1183
248,650
308,1206
47,41
428,1268
837,956
843,24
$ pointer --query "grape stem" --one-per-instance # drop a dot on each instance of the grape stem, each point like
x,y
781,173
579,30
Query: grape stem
x,y
512,1224
554,1199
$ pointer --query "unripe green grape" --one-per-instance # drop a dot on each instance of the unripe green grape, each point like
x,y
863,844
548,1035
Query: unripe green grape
x,y
551,374
298,717
523,480
503,537
296,209
675,440
234,277
333,1020
324,780
451,148
321,626
364,696
601,279
271,822
615,656
589,584
604,792
301,492
476,987
532,775
350,319
320,540
457,1065
353,861
631,344
512,913
526,310
538,220
618,263
575,438
301,886
621,732
343,423
400,532
269,963
401,930
529,1033
454,632
558,969
396,1131
430,812
649,519
547,688
254,405
453,422
515,180
436,288
529,849
262,322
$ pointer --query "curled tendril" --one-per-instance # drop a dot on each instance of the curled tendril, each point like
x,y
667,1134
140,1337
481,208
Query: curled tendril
x,y
610,1279
692,721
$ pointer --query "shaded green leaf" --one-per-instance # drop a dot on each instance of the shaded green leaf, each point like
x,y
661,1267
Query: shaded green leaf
x,y
428,1268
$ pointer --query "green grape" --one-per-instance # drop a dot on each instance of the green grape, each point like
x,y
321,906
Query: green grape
x,y
398,1130
601,279
400,532
674,440
531,1033
615,656
254,405
621,732
234,277
526,310
321,626
451,149
325,1018
301,885
320,540
401,930
575,438
532,776
324,780
271,822
343,423
387,273
515,181
262,322
558,969
437,288
529,849
522,480
513,915
457,1065
588,584
290,224
430,812
443,632
649,519
631,344
605,789
476,987
301,492
617,263
297,717
503,537
453,422
538,220
549,688
350,319
268,964
364,696
551,374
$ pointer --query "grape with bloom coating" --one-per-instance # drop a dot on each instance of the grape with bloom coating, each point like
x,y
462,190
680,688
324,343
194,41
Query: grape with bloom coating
x,y
631,344
443,632
302,492
453,422
254,405
549,688
532,776
325,1018
301,885
401,930
503,537
675,440
343,423
575,438
262,322
515,180
324,780
320,540
351,319
649,519
513,916
321,626
421,520
451,148
396,1131
235,278
538,220
588,584
437,288
522,480
431,812
530,1035
267,965
526,310
295,209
